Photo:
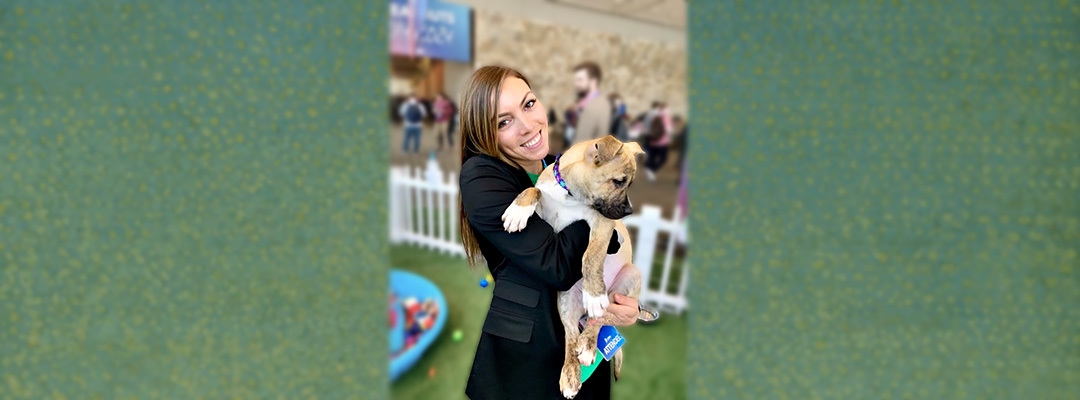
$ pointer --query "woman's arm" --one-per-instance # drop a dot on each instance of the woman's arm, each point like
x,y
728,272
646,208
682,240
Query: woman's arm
x,y
553,258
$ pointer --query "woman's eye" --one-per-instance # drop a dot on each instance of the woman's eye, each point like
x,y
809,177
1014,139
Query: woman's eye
x,y
504,123
530,104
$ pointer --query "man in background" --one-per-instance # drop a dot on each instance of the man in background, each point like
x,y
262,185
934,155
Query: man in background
x,y
412,113
593,112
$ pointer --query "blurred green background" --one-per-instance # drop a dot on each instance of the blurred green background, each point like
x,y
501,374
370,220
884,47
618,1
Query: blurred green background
x,y
187,196
889,190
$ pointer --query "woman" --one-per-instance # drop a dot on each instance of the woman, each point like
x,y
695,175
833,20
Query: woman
x,y
504,147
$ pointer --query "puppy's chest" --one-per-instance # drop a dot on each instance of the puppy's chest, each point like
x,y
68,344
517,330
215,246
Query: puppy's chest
x,y
560,209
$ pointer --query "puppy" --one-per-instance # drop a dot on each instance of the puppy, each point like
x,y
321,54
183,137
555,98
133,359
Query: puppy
x,y
588,182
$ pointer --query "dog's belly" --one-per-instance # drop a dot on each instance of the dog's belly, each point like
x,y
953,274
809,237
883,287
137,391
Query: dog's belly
x,y
560,210
613,264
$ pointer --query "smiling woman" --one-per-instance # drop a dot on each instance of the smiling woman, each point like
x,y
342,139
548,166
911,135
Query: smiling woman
x,y
504,132
522,125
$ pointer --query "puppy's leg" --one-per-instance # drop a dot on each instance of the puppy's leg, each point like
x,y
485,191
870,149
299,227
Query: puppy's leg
x,y
517,214
569,311
586,345
616,363
628,283
595,295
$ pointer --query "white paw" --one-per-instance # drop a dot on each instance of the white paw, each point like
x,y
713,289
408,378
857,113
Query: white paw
x,y
594,305
569,393
516,217
587,357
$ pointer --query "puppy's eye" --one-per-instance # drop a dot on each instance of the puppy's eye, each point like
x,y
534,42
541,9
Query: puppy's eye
x,y
619,182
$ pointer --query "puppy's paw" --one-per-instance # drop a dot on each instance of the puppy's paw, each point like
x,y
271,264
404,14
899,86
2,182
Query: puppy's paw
x,y
594,305
586,352
570,380
586,358
516,217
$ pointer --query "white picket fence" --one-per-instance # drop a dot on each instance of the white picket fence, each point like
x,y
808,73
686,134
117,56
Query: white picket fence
x,y
410,195
424,212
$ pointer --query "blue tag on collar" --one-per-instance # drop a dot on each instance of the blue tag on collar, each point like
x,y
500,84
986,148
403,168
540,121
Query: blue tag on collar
x,y
608,342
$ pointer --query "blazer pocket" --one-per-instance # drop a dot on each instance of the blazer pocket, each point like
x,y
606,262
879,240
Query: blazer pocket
x,y
508,326
517,293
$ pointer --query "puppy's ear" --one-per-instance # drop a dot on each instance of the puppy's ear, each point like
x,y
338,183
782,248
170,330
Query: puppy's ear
x,y
604,150
634,148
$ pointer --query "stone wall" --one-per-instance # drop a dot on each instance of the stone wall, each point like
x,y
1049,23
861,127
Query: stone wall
x,y
640,70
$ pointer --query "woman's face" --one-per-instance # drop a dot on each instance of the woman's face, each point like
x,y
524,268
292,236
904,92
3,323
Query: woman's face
x,y
522,123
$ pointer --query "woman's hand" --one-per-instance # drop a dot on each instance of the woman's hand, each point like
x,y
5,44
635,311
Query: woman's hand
x,y
623,311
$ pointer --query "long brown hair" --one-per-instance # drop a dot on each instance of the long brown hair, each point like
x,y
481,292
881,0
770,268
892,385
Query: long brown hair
x,y
479,135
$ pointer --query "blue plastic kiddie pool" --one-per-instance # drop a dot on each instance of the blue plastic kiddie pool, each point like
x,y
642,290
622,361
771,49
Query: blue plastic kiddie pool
x,y
407,284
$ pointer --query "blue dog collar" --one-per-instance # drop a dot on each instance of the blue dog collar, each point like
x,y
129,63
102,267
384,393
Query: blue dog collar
x,y
558,177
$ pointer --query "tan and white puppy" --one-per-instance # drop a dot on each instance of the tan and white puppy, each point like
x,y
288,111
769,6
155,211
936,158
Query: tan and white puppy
x,y
588,182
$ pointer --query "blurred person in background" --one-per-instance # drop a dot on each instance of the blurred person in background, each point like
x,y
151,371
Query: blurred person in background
x,y
646,122
444,112
679,144
452,127
637,129
570,127
657,139
666,117
621,128
557,129
413,114
618,106
620,124
594,114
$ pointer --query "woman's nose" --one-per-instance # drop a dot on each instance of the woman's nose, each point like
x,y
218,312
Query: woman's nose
x,y
526,126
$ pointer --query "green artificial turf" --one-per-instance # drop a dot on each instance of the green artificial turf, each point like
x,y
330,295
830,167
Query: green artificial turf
x,y
655,354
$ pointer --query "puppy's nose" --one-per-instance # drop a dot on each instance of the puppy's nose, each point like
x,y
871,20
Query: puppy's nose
x,y
627,209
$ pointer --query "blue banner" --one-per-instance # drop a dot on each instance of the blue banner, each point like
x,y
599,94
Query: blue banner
x,y
444,32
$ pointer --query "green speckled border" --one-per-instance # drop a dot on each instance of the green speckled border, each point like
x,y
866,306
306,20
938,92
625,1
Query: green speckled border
x,y
192,199
885,199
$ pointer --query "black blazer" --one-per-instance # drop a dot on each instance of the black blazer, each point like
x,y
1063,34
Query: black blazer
x,y
521,349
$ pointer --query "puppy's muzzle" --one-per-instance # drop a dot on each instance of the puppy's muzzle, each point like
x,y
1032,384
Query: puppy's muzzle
x,y
614,210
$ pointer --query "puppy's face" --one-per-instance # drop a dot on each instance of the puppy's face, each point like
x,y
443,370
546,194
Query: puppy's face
x,y
608,170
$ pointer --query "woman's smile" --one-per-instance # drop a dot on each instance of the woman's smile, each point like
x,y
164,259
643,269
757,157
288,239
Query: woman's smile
x,y
534,142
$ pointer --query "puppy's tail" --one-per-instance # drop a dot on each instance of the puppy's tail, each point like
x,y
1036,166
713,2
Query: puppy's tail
x,y
616,363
